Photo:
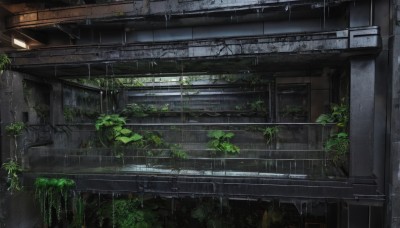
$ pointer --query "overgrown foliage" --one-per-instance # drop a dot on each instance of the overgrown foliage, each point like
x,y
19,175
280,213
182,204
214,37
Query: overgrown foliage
x,y
112,131
78,210
4,61
337,145
142,110
52,195
220,142
270,133
339,115
177,152
257,106
15,128
13,170
125,213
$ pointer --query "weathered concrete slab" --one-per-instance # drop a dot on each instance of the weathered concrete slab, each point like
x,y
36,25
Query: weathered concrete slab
x,y
137,9
347,41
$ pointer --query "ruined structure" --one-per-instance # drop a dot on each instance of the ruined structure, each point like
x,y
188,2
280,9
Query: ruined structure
x,y
252,75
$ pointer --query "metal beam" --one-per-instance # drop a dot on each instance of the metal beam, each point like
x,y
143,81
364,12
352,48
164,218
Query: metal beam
x,y
366,40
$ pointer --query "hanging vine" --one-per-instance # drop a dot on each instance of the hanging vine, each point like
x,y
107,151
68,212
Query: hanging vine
x,y
52,194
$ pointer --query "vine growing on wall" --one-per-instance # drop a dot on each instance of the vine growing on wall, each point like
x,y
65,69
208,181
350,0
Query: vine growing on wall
x,y
12,167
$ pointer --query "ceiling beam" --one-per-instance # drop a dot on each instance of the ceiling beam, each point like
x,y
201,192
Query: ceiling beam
x,y
128,10
365,40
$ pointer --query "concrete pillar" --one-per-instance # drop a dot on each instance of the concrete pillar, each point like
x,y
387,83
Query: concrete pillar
x,y
393,123
362,100
11,99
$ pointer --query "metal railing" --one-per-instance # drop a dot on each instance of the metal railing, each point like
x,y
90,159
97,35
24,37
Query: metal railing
x,y
296,151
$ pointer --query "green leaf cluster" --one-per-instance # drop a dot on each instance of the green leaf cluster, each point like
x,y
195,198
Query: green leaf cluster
x,y
177,152
4,61
112,131
51,194
270,133
128,213
220,142
338,146
13,169
142,110
257,106
339,115
15,128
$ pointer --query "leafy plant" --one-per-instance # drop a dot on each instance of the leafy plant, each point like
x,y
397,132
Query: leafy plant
x,y
112,130
270,133
4,61
127,213
13,169
154,140
15,128
134,110
69,114
339,115
164,108
220,142
52,194
177,152
258,106
338,146
78,210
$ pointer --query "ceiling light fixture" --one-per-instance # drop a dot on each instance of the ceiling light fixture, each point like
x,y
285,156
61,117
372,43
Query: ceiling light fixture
x,y
19,43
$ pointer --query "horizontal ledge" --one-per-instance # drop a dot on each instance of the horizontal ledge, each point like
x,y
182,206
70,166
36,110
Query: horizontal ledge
x,y
204,124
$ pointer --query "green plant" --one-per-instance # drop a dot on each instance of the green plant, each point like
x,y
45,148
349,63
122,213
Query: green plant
x,y
164,108
338,146
15,128
4,61
13,169
78,210
339,115
51,194
69,114
258,106
177,152
112,130
134,110
270,133
153,140
220,142
127,213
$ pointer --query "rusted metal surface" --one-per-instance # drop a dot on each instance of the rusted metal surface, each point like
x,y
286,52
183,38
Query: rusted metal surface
x,y
137,9
334,41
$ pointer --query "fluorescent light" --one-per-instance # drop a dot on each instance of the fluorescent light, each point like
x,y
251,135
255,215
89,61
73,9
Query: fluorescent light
x,y
19,43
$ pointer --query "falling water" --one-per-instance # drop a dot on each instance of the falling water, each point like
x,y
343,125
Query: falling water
x,y
113,211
